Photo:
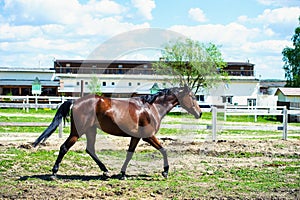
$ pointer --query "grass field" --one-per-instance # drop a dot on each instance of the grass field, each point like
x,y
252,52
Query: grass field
x,y
236,168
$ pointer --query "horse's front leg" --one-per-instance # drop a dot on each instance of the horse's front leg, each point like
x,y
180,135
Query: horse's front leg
x,y
153,141
133,143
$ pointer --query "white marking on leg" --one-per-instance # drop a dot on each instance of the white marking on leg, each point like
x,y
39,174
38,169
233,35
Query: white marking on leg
x,y
90,142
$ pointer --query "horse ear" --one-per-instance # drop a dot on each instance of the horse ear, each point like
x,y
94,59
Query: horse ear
x,y
186,87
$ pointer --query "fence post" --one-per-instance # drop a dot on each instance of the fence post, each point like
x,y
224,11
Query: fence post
x,y
27,104
225,108
255,116
285,123
214,124
36,103
24,104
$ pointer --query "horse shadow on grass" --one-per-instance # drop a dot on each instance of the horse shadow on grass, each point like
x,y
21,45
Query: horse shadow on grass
x,y
49,177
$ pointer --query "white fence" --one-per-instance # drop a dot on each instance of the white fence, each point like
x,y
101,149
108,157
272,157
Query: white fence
x,y
36,102
253,110
279,110
26,102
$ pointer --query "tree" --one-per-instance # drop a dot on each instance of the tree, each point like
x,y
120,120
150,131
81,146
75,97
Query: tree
x,y
191,63
291,57
94,86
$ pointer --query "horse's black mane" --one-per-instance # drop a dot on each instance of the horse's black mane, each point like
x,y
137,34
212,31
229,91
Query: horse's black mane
x,y
150,98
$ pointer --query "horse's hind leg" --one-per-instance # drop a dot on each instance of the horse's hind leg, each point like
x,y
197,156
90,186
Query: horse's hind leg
x,y
90,149
70,141
153,141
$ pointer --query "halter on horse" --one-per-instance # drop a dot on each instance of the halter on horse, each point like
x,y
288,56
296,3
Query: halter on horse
x,y
137,117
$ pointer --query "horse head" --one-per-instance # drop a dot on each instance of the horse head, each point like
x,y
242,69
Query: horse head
x,y
187,100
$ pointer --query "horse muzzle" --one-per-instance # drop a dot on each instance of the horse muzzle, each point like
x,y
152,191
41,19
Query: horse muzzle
x,y
198,115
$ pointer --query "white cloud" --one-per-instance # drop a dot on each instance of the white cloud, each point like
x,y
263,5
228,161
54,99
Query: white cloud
x,y
8,32
37,13
280,15
65,18
232,33
284,15
279,2
268,31
274,22
241,43
144,7
108,26
55,28
59,12
197,14
266,46
106,7
268,67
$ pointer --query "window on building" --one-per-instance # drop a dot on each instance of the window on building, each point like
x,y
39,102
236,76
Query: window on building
x,y
200,97
120,71
251,102
112,83
138,83
94,69
68,68
129,84
103,83
227,99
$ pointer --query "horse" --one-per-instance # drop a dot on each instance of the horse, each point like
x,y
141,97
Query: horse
x,y
135,117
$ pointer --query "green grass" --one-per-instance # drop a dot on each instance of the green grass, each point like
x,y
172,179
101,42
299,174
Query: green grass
x,y
205,115
24,119
31,111
23,168
27,129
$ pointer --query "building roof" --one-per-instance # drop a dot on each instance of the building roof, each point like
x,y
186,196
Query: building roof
x,y
26,69
27,83
240,64
288,91
267,83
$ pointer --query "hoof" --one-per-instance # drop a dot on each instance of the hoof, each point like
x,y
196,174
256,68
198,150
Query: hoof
x,y
164,174
123,176
53,177
105,175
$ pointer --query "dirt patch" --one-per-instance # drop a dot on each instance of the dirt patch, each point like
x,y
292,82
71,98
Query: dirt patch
x,y
201,158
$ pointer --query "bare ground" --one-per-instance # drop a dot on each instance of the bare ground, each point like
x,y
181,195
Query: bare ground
x,y
184,153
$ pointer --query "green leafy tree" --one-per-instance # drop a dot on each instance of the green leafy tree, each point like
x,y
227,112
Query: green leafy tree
x,y
95,86
291,57
192,63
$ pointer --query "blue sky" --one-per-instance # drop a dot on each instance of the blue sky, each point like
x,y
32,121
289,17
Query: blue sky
x,y
34,32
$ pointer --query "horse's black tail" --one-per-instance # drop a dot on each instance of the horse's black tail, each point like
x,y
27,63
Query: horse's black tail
x,y
61,113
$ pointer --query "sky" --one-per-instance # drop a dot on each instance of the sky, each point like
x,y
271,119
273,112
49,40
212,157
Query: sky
x,y
33,33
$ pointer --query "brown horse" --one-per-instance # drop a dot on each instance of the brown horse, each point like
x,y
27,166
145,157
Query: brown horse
x,y
137,117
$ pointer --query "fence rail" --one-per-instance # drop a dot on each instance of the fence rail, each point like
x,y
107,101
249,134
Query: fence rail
x,y
36,102
283,112
257,110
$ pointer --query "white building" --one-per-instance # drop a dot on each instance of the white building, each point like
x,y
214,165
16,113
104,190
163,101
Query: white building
x,y
125,78
18,81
